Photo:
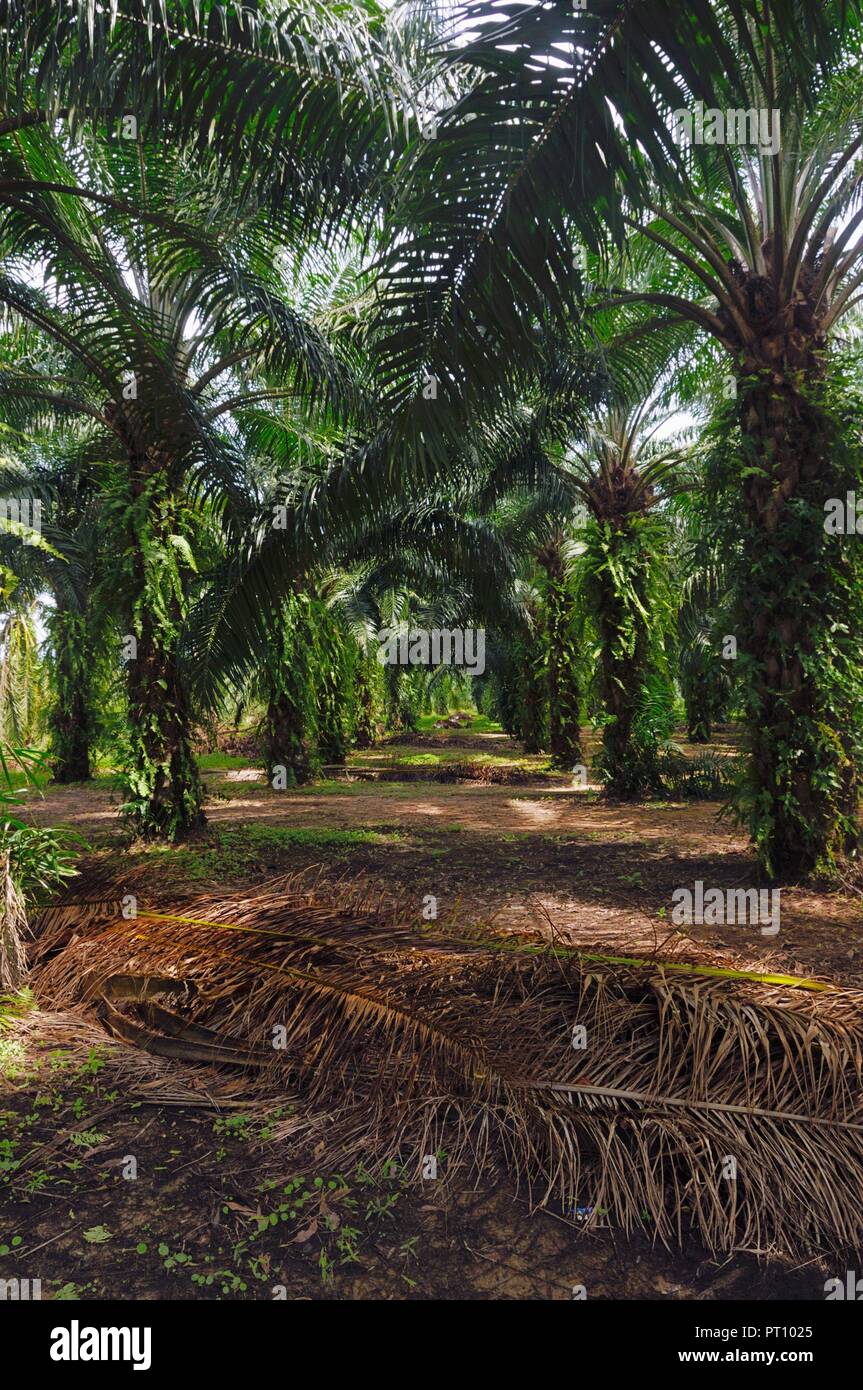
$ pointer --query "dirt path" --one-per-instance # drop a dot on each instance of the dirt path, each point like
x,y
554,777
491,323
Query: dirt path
x,y
601,874
419,805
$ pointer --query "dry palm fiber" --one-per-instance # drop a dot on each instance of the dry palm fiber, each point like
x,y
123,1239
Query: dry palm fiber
x,y
56,926
72,915
139,1075
422,1043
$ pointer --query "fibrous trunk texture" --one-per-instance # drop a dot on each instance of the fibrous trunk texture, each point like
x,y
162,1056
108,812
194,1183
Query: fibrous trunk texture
x,y
798,605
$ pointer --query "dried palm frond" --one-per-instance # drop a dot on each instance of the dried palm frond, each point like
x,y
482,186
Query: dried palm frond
x,y
727,1107
56,926
140,1076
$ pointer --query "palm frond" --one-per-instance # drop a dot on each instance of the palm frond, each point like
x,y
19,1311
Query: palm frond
x,y
470,1050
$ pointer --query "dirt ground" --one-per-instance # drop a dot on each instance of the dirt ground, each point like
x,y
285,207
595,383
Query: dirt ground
x,y
218,1211
599,873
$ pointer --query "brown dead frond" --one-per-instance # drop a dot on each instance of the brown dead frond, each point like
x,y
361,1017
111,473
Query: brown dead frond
x,y
730,1108
140,1075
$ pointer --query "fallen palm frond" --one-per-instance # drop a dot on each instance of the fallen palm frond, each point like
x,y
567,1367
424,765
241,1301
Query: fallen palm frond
x,y
656,1100
139,1075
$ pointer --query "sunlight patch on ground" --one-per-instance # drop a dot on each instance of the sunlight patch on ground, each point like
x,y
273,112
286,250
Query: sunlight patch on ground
x,y
536,812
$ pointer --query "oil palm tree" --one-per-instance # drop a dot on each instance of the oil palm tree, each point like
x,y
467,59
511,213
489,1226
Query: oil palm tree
x,y
592,521
570,132
564,691
356,567
702,581
621,474
63,578
163,327
576,473
304,103
20,675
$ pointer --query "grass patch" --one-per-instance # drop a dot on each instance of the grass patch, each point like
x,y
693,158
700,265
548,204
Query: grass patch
x,y
242,851
223,762
421,759
277,837
409,755
534,763
479,724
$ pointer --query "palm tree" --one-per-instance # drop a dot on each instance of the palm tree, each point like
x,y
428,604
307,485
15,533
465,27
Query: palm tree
x,y
529,656
286,682
20,676
299,115
67,570
365,718
165,328
305,682
702,580
575,473
345,561
58,564
589,518
334,670
569,129
564,693
306,105
620,473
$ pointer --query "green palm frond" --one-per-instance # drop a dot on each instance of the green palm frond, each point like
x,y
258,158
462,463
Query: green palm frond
x,y
309,100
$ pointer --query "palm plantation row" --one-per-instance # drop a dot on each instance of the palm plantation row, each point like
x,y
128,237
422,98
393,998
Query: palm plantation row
x,y
351,318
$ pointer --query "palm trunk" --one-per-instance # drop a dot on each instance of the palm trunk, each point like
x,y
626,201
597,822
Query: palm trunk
x,y
703,696
167,795
401,713
799,615
332,690
698,724
619,588
289,723
286,742
505,685
392,686
532,670
165,792
563,691
622,669
71,720
365,729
